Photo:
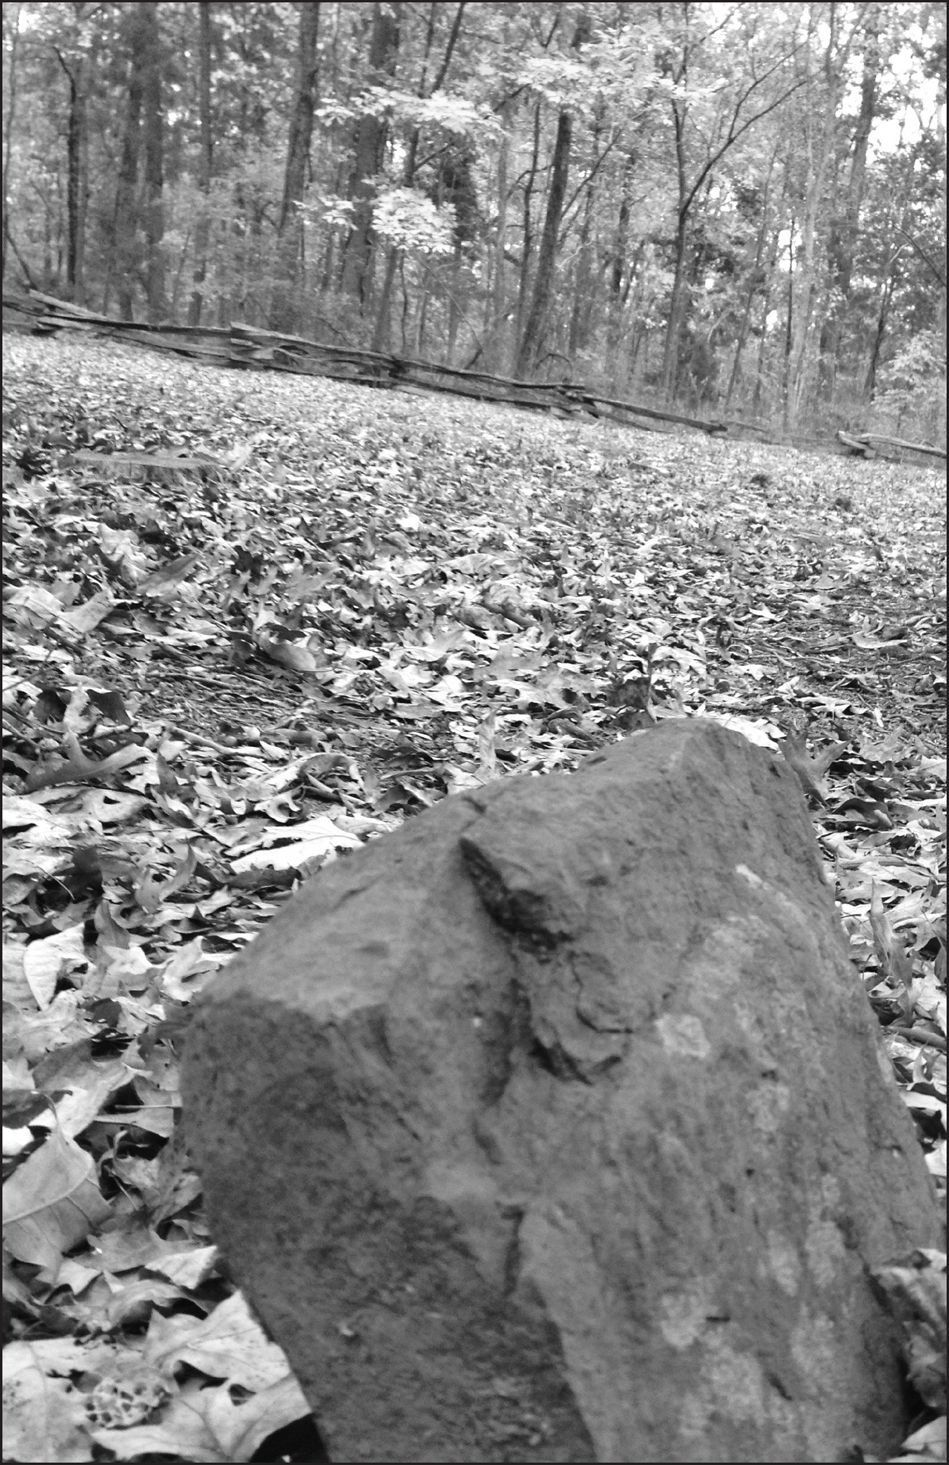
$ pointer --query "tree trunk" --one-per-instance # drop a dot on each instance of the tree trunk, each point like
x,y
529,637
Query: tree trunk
x,y
205,154
846,222
380,334
532,342
14,33
369,147
75,181
290,227
127,251
496,299
153,136
677,312
581,318
530,350
869,386
790,327
756,279
527,239
806,284
617,261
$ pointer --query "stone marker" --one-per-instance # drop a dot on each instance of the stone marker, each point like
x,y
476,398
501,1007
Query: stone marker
x,y
554,1126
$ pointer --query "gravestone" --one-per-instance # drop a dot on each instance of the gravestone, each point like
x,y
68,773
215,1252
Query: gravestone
x,y
555,1126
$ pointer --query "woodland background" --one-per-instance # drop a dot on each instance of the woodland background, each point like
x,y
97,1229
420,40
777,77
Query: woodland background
x,y
738,209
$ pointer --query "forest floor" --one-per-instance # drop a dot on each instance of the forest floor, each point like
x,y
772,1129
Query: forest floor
x,y
346,605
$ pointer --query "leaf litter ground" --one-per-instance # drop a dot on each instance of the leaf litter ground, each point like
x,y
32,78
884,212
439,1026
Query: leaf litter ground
x,y
345,605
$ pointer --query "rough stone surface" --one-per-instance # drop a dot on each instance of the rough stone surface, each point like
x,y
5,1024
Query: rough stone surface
x,y
554,1127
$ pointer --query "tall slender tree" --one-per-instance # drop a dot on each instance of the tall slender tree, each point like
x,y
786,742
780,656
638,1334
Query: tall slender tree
x,y
127,253
153,137
368,153
204,164
532,341
290,225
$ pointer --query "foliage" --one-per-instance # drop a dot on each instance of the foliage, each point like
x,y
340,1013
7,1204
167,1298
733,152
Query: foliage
x,y
412,222
737,179
914,382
